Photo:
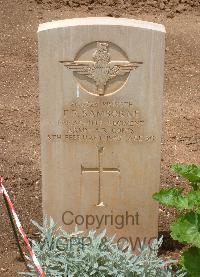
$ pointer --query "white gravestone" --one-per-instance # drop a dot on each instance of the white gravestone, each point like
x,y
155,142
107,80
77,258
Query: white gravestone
x,y
101,86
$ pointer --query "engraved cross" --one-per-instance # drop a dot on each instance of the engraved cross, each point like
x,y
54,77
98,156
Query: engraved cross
x,y
100,170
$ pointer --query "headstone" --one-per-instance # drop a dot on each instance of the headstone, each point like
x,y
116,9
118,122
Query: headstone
x,y
101,86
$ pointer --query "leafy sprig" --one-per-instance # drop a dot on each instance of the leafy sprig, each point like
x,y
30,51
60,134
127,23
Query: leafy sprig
x,y
100,257
186,229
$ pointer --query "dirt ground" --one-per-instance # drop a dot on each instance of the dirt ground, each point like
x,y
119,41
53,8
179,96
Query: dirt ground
x,y
19,106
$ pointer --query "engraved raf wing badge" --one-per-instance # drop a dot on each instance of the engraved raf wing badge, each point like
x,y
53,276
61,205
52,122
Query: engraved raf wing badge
x,y
101,76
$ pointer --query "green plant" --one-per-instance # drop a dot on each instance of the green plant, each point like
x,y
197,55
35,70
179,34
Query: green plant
x,y
186,229
95,255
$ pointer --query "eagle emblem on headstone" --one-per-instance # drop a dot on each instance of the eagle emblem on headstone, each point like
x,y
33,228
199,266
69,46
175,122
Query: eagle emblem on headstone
x,y
102,68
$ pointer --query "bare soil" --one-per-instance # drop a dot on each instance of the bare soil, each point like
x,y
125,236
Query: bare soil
x,y
19,106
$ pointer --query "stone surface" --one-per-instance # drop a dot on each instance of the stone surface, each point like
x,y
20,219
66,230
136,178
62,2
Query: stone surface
x,y
101,83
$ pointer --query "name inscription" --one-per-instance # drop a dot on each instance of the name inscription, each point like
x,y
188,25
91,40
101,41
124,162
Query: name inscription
x,y
103,121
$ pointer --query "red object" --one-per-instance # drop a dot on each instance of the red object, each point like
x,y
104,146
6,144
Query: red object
x,y
21,230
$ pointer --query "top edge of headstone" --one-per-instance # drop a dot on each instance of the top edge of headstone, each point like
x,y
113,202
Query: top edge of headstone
x,y
88,21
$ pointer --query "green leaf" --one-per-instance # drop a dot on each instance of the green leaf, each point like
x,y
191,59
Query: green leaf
x,y
187,229
172,197
190,172
194,199
191,261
